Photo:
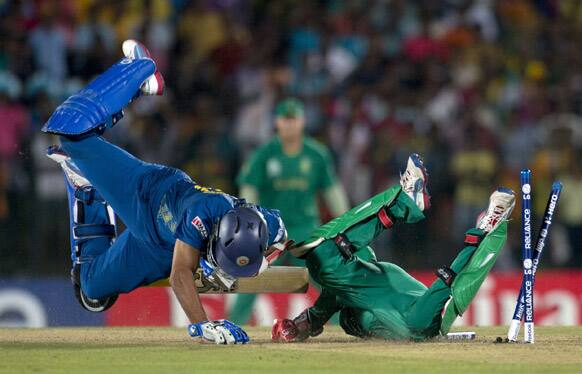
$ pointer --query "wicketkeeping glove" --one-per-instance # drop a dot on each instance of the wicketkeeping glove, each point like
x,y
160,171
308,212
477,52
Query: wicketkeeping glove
x,y
296,330
220,332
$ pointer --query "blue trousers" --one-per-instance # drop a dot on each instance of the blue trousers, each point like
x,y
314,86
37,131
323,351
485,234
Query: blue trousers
x,y
134,189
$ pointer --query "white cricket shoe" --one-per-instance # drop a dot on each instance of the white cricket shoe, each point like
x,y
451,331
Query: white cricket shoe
x,y
414,180
72,172
133,49
501,204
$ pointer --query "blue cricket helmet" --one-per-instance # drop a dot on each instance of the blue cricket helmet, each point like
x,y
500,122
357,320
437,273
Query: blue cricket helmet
x,y
238,242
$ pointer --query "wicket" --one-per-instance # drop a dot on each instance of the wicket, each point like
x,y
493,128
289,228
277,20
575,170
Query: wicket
x,y
530,263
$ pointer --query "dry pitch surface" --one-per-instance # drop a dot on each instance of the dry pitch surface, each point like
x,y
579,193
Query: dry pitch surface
x,y
169,350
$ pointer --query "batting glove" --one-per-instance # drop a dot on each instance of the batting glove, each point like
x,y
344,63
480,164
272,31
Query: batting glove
x,y
219,332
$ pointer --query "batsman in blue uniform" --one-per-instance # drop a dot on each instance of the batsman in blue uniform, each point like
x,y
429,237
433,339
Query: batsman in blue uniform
x,y
173,224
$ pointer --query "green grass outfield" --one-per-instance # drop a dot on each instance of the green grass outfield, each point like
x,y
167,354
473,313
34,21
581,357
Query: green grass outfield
x,y
169,350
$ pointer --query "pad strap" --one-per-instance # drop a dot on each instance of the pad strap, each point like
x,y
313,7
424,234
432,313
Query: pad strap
x,y
472,240
446,274
86,194
344,246
89,231
385,218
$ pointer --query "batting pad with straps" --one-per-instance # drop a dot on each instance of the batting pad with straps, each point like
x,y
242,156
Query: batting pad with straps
x,y
468,281
369,208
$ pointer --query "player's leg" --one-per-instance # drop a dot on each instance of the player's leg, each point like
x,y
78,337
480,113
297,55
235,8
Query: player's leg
x,y
360,281
349,260
242,309
424,317
92,224
124,181
129,263
406,207
116,174
352,322
404,202
92,236
100,104
402,209
467,272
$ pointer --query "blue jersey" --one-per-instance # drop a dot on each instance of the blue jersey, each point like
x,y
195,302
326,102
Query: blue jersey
x,y
188,212
158,204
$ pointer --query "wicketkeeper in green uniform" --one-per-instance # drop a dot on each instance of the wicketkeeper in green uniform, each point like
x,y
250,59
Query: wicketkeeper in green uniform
x,y
379,299
287,174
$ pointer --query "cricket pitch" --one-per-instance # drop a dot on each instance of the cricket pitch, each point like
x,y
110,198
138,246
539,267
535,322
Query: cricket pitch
x,y
167,350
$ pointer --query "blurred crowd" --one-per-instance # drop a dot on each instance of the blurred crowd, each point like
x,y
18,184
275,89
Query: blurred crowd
x,y
480,88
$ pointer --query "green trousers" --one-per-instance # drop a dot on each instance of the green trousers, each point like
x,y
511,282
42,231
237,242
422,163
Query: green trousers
x,y
378,299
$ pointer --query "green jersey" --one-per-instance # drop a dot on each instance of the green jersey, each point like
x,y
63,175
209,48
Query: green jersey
x,y
291,183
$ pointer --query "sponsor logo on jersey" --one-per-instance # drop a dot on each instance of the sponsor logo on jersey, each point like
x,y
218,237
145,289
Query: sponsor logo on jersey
x,y
274,167
203,189
197,222
305,165
165,215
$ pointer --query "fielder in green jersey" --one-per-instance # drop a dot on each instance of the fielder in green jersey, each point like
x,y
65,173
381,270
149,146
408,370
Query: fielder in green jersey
x,y
290,183
379,299
287,174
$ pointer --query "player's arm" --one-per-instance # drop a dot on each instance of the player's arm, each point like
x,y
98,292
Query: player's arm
x,y
333,192
184,263
249,193
252,177
336,199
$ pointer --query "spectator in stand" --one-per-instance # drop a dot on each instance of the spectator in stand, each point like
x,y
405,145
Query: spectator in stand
x,y
474,167
49,47
570,210
14,127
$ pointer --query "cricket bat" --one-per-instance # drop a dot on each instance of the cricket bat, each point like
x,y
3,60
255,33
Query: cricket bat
x,y
276,279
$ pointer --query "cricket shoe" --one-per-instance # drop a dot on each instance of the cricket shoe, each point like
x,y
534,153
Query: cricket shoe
x,y
414,180
133,49
72,172
501,204
89,304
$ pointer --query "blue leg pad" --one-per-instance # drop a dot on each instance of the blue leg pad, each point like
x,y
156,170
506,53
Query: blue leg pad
x,y
99,105
93,227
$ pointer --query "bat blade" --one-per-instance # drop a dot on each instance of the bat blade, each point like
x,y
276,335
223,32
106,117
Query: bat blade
x,y
275,279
